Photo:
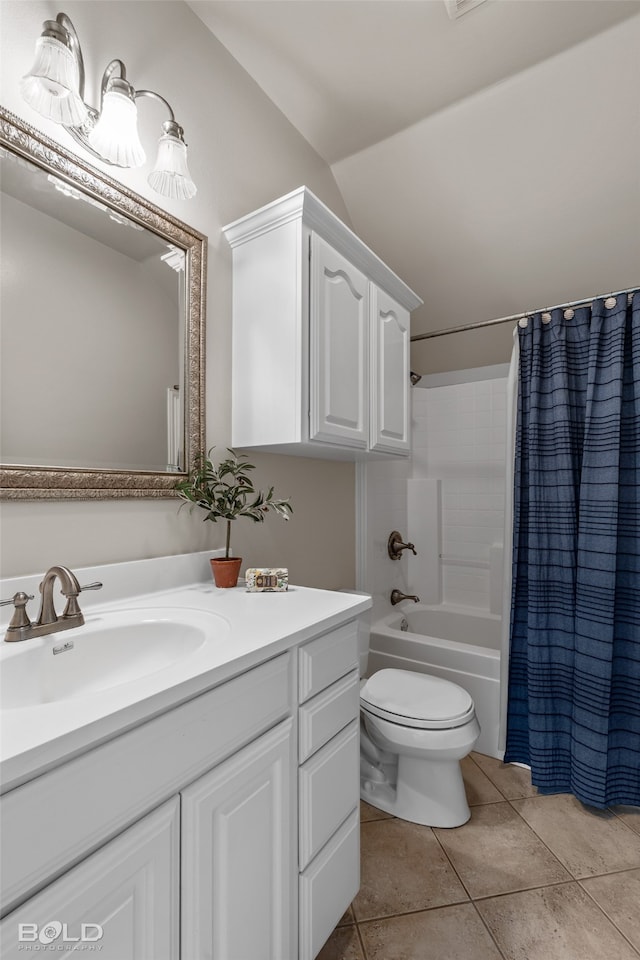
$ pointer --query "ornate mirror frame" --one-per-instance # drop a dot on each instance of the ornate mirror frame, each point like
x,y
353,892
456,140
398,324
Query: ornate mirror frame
x,y
53,483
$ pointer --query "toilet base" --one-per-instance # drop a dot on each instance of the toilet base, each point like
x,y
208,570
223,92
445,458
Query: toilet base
x,y
431,793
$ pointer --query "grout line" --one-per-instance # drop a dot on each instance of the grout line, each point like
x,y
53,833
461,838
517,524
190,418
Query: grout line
x,y
409,913
489,931
604,912
361,941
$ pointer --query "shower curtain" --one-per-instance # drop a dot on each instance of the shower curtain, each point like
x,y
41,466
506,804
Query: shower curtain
x,y
574,673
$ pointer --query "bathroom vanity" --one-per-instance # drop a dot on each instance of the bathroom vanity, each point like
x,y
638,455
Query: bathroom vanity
x,y
204,809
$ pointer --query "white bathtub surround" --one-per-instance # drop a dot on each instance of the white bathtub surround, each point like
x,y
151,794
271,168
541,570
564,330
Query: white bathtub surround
x,y
459,439
450,503
424,509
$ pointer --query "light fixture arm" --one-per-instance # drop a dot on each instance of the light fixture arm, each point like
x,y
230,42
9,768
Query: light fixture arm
x,y
71,40
117,68
156,96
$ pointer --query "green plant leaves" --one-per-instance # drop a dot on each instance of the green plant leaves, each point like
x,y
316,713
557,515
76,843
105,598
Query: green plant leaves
x,y
226,491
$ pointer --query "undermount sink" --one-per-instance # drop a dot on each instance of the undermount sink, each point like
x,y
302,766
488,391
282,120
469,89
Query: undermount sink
x,y
109,650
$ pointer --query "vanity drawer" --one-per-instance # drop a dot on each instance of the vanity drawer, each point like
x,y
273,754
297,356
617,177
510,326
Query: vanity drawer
x,y
327,713
329,789
328,886
326,659
96,795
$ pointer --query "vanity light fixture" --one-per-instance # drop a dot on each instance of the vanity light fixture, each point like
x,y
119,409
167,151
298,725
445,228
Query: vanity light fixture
x,y
54,87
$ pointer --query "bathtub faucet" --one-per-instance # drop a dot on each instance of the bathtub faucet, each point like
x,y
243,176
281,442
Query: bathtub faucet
x,y
397,596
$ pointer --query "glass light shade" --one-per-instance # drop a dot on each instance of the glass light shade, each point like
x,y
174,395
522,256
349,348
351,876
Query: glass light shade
x,y
171,176
51,86
115,135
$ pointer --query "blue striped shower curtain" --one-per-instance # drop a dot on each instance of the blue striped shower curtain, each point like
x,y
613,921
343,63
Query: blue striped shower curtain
x,y
574,676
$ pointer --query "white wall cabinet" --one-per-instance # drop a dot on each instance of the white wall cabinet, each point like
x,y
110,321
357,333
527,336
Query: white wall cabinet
x,y
223,829
321,337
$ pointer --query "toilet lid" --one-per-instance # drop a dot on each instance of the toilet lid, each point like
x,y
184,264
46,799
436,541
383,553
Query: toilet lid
x,y
416,699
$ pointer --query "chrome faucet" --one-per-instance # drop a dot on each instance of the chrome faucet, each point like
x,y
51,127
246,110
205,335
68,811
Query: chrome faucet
x,y
397,596
21,627
395,546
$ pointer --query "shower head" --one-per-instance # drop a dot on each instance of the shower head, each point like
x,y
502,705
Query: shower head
x,y
415,378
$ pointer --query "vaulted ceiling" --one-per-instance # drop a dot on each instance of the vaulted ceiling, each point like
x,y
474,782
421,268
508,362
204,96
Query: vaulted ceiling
x,y
350,73
461,147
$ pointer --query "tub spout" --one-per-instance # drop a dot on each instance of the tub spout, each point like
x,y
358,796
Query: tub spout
x,y
397,596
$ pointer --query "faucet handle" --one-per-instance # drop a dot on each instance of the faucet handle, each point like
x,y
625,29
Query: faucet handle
x,y
15,598
395,546
91,586
20,618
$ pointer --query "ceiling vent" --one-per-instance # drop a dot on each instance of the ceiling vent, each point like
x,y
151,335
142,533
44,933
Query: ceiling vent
x,y
455,8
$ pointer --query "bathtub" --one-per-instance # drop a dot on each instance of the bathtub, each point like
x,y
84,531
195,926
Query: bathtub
x,y
454,643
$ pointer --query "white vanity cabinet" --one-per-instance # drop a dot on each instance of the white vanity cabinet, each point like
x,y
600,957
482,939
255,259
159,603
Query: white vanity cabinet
x,y
122,901
168,826
237,881
328,784
225,828
321,337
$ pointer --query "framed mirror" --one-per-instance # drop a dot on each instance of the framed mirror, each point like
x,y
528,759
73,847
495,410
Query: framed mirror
x,y
102,328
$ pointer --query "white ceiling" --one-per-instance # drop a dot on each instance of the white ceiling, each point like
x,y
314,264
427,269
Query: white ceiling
x,y
350,73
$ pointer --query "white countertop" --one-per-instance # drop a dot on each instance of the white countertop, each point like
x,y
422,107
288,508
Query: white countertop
x,y
254,627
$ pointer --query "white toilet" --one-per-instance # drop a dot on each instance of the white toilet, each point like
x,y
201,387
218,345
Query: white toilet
x,y
415,730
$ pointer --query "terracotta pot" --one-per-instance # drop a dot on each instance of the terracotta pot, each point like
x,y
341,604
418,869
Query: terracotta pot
x,y
226,570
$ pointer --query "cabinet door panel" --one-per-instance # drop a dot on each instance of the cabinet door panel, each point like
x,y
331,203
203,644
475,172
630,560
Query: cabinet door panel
x,y
329,787
238,867
339,315
328,886
327,658
323,717
122,901
389,374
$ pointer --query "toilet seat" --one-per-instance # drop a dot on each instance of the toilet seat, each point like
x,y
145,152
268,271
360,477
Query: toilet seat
x,y
417,700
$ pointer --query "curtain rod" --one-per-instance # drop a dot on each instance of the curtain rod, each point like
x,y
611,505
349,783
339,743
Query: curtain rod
x,y
516,316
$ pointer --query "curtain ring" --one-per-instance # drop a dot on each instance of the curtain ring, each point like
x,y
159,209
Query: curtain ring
x,y
569,314
610,303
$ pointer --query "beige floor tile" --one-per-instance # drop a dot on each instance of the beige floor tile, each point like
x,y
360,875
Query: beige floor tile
x,y
553,923
347,917
447,933
343,944
513,782
630,815
619,896
478,786
587,841
367,812
496,852
403,868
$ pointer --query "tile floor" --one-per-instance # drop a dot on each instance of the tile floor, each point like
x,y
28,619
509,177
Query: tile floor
x,y
527,878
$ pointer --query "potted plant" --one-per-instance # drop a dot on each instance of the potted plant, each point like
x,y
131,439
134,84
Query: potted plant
x,y
226,492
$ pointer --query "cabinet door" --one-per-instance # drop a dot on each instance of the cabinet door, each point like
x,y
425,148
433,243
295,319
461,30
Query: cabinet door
x,y
389,374
238,866
339,344
121,902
